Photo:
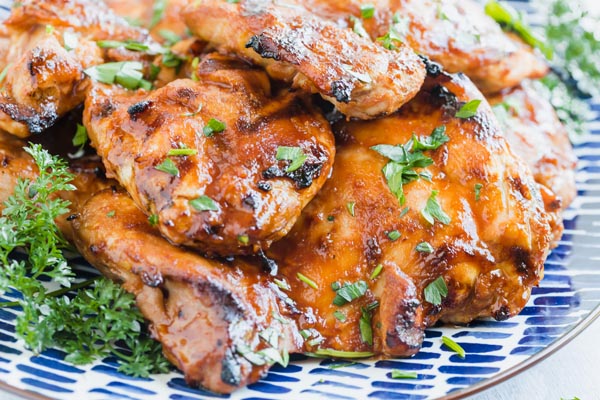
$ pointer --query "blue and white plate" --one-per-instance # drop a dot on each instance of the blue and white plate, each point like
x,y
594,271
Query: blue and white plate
x,y
567,300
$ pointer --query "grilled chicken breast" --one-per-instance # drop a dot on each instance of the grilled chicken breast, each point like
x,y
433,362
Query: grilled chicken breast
x,y
474,219
455,33
535,134
208,157
51,43
360,78
211,318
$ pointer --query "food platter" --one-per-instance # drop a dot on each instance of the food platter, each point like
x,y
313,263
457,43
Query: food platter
x,y
567,300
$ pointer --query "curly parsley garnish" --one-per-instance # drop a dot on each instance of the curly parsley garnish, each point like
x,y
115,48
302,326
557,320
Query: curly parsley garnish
x,y
91,324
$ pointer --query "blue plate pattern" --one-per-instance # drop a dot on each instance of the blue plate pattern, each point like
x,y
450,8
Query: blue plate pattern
x,y
566,299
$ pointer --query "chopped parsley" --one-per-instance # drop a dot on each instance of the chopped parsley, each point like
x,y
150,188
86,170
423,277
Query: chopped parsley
x,y
307,280
213,126
79,140
405,160
433,211
126,73
340,316
367,11
350,206
295,155
424,247
168,166
396,32
349,292
204,203
436,291
393,235
366,330
397,374
282,284
376,271
478,187
340,354
70,40
158,11
182,152
468,109
452,345
358,27
153,220
243,239
110,214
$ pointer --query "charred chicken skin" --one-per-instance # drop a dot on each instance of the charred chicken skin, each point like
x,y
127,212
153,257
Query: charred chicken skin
x,y
51,44
208,316
475,219
362,79
203,155
455,33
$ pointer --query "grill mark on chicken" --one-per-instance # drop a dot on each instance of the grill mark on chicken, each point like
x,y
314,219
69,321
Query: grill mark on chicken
x,y
361,78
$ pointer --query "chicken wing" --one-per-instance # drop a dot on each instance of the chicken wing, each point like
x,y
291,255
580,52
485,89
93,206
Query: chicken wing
x,y
51,43
360,78
535,134
224,165
455,33
383,230
222,325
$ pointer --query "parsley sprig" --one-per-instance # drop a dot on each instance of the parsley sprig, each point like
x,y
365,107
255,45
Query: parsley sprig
x,y
94,322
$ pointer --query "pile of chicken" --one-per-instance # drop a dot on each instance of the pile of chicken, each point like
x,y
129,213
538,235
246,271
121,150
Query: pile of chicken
x,y
281,177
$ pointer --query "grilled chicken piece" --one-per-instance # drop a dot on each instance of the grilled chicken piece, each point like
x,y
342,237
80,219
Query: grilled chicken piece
x,y
151,13
51,43
229,194
535,134
489,253
456,33
206,314
360,78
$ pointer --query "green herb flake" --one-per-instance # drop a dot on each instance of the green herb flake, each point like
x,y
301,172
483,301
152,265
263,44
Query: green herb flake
x,y
452,345
358,27
340,316
168,166
307,280
110,214
366,330
126,73
158,11
367,11
478,187
182,152
376,271
243,239
204,203
350,206
49,29
433,211
70,40
282,284
170,37
349,292
330,218
424,247
404,211
405,160
213,126
436,291
468,109
341,354
394,235
81,136
153,220
295,155
397,374
5,72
